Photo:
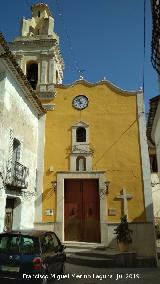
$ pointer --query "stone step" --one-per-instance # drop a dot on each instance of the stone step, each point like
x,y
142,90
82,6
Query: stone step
x,y
84,245
96,254
98,262
104,258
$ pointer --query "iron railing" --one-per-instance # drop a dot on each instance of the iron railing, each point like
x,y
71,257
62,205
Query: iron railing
x,y
155,45
17,175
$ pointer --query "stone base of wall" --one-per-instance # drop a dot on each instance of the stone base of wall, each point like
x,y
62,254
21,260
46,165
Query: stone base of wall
x,y
47,226
144,243
130,259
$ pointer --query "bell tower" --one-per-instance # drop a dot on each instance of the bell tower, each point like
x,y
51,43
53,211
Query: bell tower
x,y
37,51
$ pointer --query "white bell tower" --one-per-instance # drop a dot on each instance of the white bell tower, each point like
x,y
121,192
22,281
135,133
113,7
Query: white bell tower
x,y
37,51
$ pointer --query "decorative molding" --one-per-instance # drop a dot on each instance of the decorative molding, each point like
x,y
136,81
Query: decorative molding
x,y
48,107
80,124
80,148
102,82
46,95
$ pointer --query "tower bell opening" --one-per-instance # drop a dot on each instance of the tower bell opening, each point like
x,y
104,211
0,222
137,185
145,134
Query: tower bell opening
x,y
32,74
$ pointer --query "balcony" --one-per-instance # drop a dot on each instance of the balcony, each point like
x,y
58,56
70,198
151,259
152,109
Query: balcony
x,y
17,175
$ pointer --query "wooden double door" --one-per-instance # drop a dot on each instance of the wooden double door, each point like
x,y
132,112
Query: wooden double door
x,y
82,210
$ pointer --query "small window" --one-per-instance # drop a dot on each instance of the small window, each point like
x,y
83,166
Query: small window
x,y
81,164
38,32
39,14
81,134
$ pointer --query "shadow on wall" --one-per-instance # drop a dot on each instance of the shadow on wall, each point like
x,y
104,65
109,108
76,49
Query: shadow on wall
x,y
47,194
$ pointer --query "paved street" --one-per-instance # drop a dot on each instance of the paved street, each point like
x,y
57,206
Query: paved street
x,y
88,275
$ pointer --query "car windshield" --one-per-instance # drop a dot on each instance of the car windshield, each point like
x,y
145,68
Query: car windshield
x,y
18,244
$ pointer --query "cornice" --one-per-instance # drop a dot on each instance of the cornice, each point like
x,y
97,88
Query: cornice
x,y
102,82
33,41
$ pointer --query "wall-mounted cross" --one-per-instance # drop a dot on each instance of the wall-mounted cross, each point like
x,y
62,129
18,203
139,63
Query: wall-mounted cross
x,y
125,197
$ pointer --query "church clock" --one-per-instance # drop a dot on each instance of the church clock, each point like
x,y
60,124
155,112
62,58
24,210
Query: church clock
x,y
80,102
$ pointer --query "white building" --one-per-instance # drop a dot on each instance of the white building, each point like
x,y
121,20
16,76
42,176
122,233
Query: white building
x,y
153,134
22,120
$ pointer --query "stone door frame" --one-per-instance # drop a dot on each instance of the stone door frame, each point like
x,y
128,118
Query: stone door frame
x,y
61,176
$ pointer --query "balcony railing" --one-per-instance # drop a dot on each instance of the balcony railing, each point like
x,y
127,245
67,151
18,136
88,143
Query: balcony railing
x,y
155,55
17,175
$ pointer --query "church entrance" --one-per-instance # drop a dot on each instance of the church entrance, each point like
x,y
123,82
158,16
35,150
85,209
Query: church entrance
x,y
82,210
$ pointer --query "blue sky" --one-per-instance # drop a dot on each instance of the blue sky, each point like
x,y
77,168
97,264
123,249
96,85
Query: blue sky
x,y
103,37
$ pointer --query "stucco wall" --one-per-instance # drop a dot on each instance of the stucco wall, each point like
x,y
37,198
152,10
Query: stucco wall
x,y
156,194
18,117
114,138
156,134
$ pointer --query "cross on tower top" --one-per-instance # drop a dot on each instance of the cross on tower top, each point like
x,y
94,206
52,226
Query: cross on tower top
x,y
125,197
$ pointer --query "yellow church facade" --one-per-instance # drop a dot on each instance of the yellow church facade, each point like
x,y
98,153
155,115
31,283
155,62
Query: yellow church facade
x,y
93,139
94,155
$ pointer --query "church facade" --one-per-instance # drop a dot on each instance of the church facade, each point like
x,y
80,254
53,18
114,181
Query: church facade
x,y
96,164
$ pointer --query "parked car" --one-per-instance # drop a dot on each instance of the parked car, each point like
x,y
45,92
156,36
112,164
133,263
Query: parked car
x,y
31,255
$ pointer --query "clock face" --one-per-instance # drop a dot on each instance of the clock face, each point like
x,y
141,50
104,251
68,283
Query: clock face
x,y
80,102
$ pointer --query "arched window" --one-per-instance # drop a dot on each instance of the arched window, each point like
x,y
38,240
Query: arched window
x,y
39,14
81,134
32,74
81,164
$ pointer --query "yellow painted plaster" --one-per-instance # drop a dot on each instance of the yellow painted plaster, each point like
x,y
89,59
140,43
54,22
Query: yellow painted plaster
x,y
113,127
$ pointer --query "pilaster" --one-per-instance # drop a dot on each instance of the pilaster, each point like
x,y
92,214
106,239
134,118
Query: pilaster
x,y
51,71
43,79
146,174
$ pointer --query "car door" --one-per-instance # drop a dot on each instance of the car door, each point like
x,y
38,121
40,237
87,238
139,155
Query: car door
x,y
50,254
61,256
